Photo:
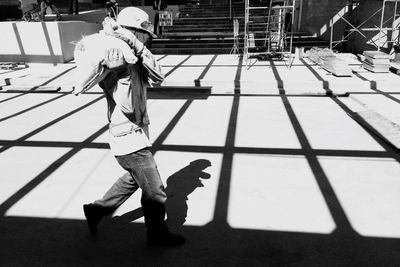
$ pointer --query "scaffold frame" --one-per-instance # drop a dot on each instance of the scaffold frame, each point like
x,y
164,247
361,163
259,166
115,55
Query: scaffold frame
x,y
277,42
381,29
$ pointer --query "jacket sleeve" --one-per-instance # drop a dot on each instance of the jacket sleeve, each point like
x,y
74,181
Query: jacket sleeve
x,y
151,66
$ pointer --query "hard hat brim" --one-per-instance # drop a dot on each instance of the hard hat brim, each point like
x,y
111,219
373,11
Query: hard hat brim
x,y
149,32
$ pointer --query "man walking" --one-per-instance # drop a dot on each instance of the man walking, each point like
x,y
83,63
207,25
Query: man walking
x,y
125,91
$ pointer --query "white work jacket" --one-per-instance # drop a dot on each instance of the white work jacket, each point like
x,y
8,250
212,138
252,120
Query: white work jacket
x,y
125,89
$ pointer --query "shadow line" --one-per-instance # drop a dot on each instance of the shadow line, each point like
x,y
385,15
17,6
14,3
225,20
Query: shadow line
x,y
374,88
177,66
11,98
278,79
214,149
46,173
222,200
197,82
26,136
237,88
19,41
161,58
316,74
329,195
377,137
31,108
54,78
168,129
48,41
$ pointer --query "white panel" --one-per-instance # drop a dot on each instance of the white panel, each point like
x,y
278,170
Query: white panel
x,y
205,122
161,112
216,73
172,60
369,192
276,193
327,126
55,36
19,104
23,124
185,74
19,165
224,60
8,39
199,60
94,117
77,181
33,31
263,122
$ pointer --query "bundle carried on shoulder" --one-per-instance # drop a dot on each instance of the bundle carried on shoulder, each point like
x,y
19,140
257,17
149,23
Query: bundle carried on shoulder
x,y
90,54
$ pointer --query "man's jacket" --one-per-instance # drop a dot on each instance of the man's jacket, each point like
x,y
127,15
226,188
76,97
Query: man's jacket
x,y
125,89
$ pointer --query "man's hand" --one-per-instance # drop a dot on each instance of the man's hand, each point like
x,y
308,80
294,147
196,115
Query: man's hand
x,y
114,58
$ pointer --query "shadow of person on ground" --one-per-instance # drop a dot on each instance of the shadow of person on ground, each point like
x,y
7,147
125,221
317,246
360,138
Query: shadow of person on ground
x,y
179,186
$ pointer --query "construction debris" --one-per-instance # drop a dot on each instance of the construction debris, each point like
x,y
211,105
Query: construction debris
x,y
13,65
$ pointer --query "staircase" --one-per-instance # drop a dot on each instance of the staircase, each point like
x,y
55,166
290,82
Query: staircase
x,y
208,29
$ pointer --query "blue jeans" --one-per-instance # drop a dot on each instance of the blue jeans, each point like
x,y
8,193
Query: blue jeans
x,y
142,173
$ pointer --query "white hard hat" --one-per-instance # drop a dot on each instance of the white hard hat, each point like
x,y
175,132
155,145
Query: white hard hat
x,y
133,17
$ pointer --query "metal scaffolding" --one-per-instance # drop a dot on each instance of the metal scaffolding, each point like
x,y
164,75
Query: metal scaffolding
x,y
275,40
382,29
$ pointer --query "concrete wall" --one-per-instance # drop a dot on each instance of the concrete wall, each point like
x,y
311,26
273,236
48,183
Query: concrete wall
x,y
316,16
47,42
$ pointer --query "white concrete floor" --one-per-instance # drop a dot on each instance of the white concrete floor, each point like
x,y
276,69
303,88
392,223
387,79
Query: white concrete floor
x,y
293,180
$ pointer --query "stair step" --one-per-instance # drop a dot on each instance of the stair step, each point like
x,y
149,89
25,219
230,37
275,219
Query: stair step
x,y
208,29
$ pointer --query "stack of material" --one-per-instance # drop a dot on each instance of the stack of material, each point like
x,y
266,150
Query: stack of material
x,y
337,66
328,60
318,55
376,61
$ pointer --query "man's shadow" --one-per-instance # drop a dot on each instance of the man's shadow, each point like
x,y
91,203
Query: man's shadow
x,y
179,186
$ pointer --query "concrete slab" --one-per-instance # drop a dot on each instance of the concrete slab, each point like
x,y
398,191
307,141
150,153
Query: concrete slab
x,y
329,128
293,180
365,188
288,200
379,114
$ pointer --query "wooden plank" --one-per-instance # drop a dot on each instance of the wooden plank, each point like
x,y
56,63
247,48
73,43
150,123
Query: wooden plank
x,y
379,124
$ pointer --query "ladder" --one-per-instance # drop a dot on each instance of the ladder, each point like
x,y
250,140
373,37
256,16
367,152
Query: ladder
x,y
277,20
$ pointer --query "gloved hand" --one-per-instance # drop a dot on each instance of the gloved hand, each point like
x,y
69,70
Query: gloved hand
x,y
111,28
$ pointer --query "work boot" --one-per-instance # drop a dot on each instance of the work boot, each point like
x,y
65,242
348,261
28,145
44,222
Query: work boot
x,y
93,214
164,238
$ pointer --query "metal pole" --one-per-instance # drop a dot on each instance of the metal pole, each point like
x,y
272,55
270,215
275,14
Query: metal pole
x,y
380,29
330,46
300,15
230,9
